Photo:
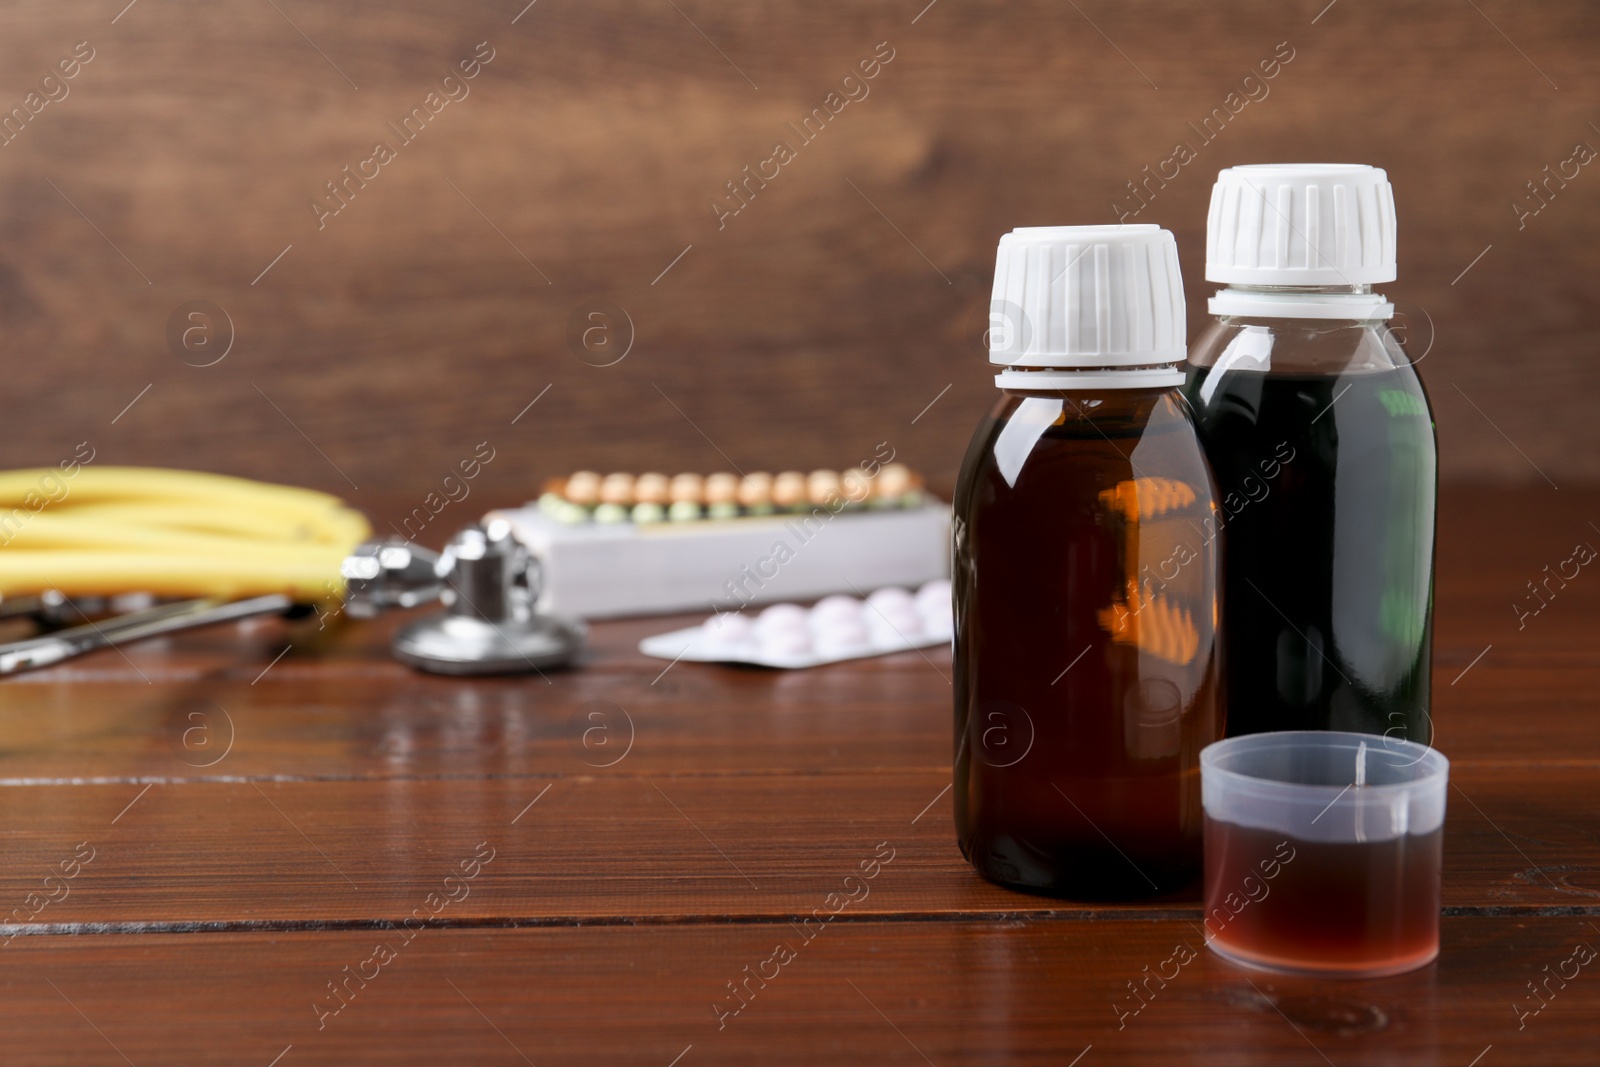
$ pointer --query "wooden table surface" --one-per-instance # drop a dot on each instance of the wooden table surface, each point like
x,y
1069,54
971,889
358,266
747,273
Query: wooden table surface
x,y
199,848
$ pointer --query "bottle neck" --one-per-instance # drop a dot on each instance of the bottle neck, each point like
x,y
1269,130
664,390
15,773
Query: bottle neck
x,y
1349,303
1163,375
1305,290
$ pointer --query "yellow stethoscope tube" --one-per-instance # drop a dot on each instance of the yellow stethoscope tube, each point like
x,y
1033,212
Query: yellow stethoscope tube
x,y
106,530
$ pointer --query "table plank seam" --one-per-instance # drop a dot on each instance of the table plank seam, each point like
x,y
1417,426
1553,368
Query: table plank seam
x,y
1024,915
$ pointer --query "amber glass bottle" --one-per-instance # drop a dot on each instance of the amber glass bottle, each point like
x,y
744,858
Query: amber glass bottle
x,y
1086,550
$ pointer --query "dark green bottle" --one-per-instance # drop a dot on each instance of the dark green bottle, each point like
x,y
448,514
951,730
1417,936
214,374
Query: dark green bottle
x,y
1322,442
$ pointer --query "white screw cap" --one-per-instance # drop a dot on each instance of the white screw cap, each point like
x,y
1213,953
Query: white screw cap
x,y
1301,224
1087,298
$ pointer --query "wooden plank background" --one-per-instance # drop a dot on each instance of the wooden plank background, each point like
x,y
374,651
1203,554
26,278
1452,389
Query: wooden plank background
x,y
583,163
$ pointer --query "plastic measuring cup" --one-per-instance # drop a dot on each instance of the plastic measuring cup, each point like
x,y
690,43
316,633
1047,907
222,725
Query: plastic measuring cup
x,y
1322,852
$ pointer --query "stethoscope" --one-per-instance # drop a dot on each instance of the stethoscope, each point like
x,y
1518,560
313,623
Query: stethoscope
x,y
77,542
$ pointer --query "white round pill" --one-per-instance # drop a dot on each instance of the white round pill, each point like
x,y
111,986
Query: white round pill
x,y
934,598
891,597
728,628
897,628
781,617
900,613
843,638
831,610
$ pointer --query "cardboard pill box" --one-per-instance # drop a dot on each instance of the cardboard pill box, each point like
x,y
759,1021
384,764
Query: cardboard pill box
x,y
606,570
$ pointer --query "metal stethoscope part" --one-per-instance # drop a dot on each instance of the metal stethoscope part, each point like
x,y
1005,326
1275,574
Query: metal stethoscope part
x,y
380,575
491,584
488,579
134,626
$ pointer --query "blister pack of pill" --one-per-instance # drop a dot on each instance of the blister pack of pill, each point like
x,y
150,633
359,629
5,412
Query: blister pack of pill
x,y
587,497
835,628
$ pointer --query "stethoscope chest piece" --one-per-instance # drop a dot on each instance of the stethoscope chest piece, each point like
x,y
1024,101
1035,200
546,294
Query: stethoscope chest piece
x,y
490,627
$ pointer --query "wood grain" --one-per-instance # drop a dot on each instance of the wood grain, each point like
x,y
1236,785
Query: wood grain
x,y
823,318
580,849
704,720
1039,992
229,884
